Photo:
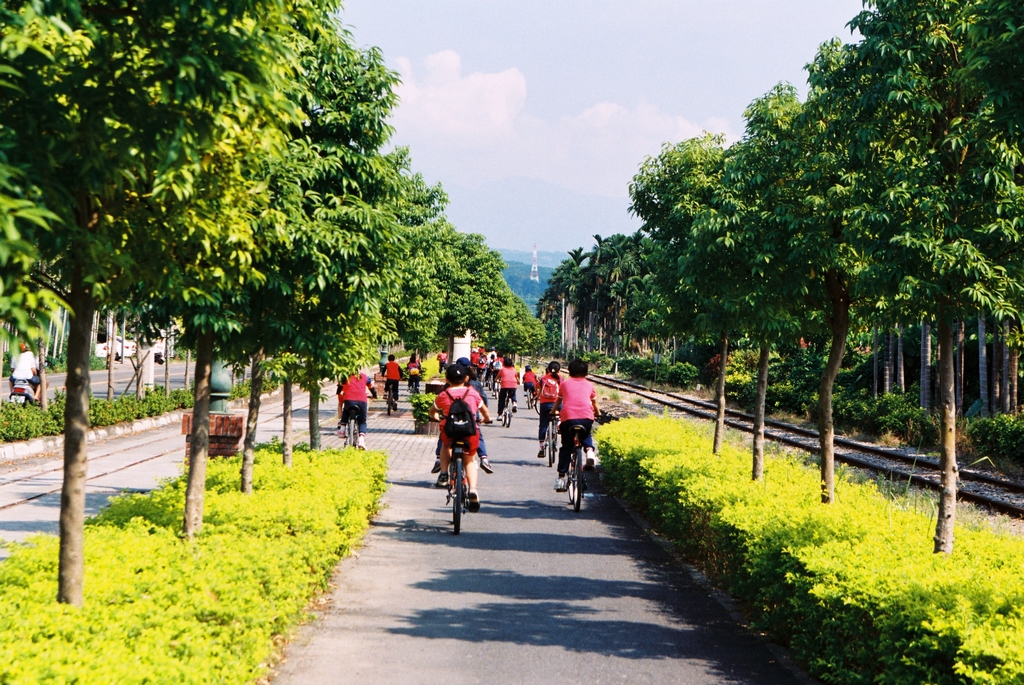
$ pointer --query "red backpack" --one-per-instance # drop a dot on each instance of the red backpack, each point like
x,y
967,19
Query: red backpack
x,y
548,389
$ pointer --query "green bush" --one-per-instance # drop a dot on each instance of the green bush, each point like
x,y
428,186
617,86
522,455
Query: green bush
x,y
159,609
852,587
27,422
897,414
681,374
421,403
1001,437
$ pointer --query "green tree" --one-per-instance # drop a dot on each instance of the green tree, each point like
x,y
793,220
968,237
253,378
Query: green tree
x,y
119,109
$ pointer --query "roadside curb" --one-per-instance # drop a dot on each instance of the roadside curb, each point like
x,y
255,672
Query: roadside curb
x,y
730,605
13,451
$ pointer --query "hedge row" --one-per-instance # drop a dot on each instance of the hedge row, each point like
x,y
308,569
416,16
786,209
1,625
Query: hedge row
x,y
681,374
159,609
27,422
852,588
1000,437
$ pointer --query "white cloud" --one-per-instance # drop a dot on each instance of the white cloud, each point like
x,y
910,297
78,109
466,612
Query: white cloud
x,y
474,128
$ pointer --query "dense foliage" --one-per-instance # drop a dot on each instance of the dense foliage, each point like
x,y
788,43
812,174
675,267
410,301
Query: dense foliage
x,y
850,587
162,609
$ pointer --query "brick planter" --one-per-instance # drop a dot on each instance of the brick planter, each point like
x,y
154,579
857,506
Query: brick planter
x,y
429,428
226,432
434,387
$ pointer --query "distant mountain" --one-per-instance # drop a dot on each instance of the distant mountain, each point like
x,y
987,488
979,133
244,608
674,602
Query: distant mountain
x,y
517,275
550,259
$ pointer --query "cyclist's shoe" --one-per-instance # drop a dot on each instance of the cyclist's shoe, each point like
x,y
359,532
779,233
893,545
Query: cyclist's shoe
x,y
515,407
485,464
343,434
589,465
560,483
474,501
361,441
543,449
442,481
437,466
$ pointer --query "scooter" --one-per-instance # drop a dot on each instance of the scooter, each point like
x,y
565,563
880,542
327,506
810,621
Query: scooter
x,y
23,392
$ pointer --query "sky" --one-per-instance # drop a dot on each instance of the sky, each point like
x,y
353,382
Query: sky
x,y
535,116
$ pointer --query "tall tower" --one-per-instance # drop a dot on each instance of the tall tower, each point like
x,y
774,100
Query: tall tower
x,y
534,273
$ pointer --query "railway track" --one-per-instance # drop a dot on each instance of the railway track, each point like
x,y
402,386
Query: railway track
x,y
1000,494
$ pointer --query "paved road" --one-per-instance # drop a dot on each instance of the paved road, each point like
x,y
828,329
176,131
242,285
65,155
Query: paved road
x,y
529,593
122,374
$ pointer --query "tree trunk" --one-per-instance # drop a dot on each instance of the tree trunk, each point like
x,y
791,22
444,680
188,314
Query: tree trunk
x,y
111,335
188,362
762,390
1014,369
901,376
44,400
167,367
959,371
1004,390
839,324
983,366
996,368
926,365
887,372
314,418
196,489
723,351
71,569
874,364
947,496
249,449
286,439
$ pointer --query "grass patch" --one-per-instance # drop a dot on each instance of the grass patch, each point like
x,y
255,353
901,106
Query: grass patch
x,y
159,609
852,588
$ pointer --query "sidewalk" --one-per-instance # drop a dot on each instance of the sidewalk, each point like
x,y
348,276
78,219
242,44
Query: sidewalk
x,y
530,592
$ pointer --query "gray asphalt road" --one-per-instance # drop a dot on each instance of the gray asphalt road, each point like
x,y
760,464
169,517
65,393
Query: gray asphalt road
x,y
529,593
122,374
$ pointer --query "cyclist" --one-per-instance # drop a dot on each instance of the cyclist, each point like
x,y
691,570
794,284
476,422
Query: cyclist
x,y
481,452
392,375
483,367
547,394
352,394
529,381
457,377
413,370
508,379
577,404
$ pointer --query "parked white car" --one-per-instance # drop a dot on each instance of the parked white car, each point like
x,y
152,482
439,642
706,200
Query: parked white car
x,y
121,347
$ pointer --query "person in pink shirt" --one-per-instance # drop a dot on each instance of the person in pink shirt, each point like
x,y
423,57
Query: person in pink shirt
x,y
352,394
508,379
458,380
577,406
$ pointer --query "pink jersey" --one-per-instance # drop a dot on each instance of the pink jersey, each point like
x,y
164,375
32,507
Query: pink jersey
x,y
445,399
577,395
509,377
355,388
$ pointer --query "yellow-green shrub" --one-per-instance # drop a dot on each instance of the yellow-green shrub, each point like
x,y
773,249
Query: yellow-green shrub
x,y
159,609
852,587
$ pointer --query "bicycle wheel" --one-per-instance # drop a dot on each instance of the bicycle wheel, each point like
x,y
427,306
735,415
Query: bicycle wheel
x,y
552,446
353,433
576,491
459,493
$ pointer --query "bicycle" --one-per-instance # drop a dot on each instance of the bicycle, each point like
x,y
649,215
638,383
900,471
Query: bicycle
x,y
458,485
531,401
506,415
552,448
351,421
391,399
577,481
